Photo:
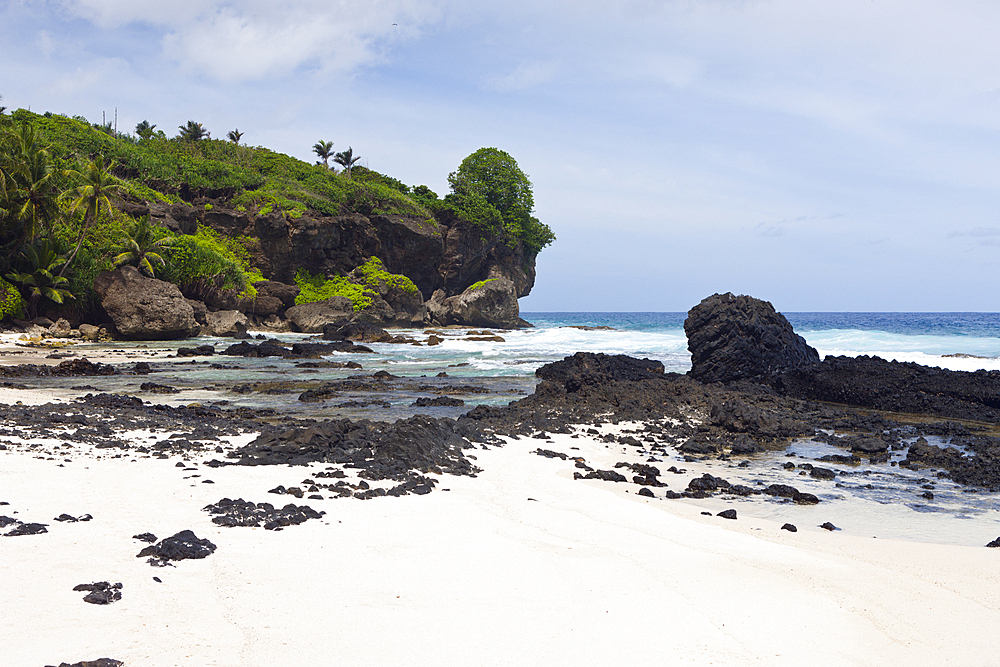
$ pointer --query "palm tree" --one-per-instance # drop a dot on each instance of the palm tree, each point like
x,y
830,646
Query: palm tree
x,y
98,186
42,283
27,182
346,159
140,248
144,129
324,149
193,132
235,135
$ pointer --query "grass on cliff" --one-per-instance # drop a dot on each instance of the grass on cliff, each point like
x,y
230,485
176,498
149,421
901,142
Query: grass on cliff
x,y
255,178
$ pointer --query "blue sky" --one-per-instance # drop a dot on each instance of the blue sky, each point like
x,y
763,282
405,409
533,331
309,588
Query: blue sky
x,y
820,155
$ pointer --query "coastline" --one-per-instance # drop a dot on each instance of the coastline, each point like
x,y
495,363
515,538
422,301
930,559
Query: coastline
x,y
522,563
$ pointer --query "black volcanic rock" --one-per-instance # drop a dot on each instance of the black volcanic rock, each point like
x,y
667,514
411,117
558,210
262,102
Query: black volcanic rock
x,y
588,368
182,546
872,382
739,337
102,592
241,512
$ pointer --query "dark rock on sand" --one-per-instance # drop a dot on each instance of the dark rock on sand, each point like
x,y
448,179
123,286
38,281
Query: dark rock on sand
x,y
100,662
828,526
994,544
384,451
645,492
786,491
145,537
241,512
22,529
182,546
604,475
790,528
727,514
101,592
549,454
739,337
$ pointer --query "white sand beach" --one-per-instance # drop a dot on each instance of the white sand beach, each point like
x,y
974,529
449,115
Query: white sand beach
x,y
521,565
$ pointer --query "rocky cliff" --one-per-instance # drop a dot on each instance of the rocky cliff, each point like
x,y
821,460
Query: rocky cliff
x,y
449,254
444,258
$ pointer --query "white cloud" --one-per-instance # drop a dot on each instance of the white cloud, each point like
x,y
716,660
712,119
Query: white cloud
x,y
256,39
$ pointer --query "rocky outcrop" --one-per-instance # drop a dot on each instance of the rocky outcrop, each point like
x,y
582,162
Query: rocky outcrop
x,y
449,254
312,317
492,303
588,368
742,338
896,386
145,308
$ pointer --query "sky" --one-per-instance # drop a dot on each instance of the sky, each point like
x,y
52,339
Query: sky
x,y
823,156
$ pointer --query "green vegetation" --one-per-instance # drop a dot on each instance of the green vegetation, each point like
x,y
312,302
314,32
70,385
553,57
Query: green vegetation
x,y
317,288
374,272
473,287
346,159
62,178
361,287
206,263
141,246
38,276
11,302
324,149
490,190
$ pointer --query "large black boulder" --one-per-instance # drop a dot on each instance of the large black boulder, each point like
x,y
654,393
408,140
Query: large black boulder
x,y
742,338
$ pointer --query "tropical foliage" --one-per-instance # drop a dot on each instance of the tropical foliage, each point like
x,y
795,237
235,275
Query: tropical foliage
x,y
489,188
346,159
324,149
38,276
63,182
361,287
142,247
193,131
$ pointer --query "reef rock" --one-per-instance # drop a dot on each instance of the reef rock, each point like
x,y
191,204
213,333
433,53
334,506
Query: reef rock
x,y
739,337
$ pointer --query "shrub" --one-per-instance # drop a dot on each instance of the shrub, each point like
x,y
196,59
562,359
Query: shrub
x,y
317,288
11,302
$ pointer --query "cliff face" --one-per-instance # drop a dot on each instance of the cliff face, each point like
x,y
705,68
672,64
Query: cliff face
x,y
434,255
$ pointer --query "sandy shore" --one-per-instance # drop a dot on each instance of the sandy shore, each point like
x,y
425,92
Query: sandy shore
x,y
14,350
522,566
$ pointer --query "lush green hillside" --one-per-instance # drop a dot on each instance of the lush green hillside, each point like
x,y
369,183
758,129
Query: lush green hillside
x,y
60,178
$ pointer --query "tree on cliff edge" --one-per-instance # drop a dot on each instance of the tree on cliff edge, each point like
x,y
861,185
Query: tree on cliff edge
x,y
489,184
